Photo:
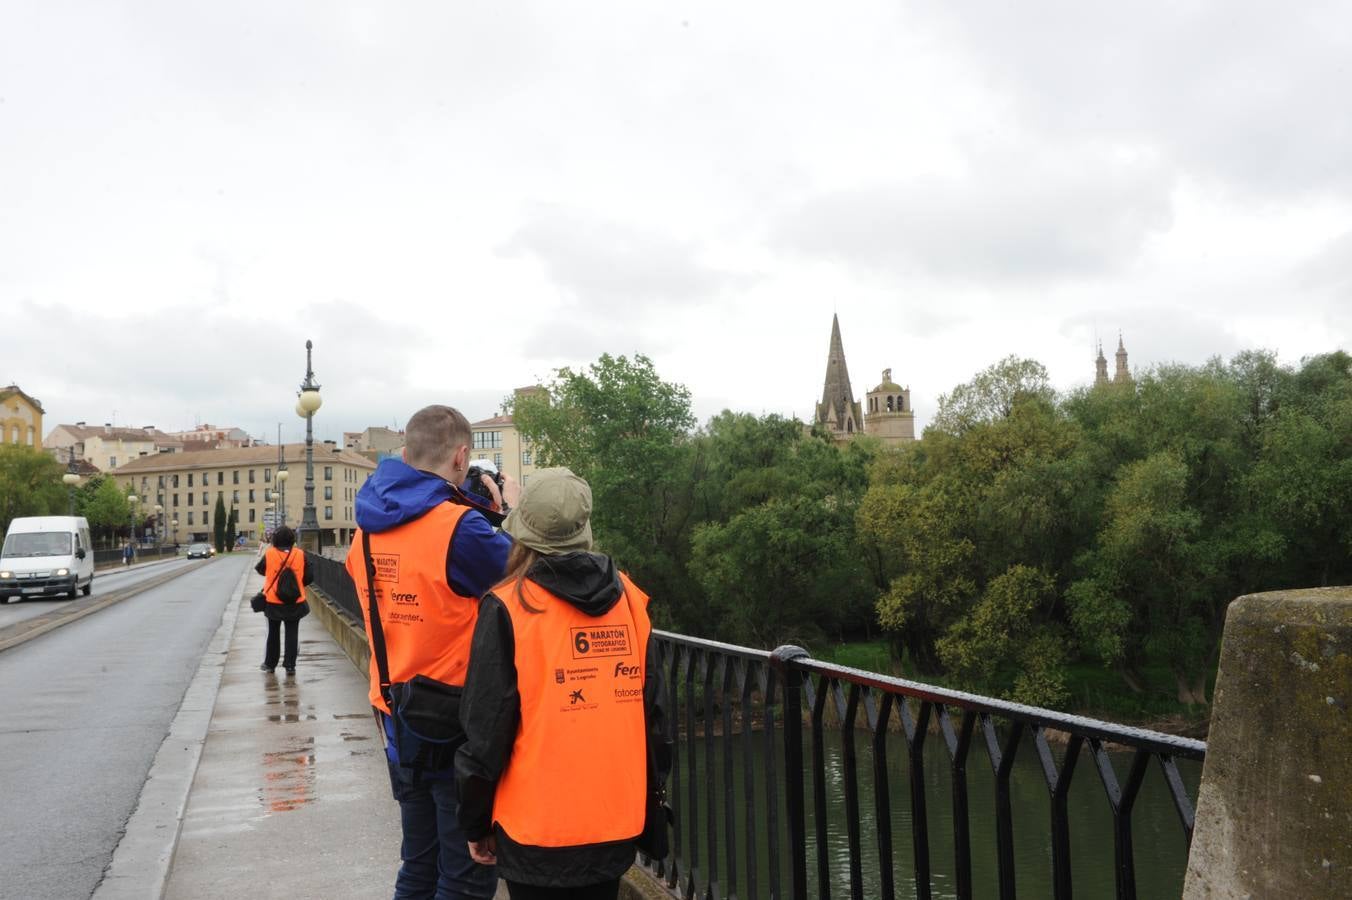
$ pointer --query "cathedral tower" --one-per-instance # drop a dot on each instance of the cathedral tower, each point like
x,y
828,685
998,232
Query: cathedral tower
x,y
1100,368
889,416
838,411
1122,375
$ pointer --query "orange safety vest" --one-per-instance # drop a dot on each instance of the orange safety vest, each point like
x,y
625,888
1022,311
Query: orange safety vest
x,y
273,570
579,767
427,625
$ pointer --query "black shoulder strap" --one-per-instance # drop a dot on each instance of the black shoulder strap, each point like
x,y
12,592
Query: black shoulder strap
x,y
373,613
280,568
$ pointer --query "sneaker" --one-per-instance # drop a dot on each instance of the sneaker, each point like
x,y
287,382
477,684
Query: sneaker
x,y
267,668
291,670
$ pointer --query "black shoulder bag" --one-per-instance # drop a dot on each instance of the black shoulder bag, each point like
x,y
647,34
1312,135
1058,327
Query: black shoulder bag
x,y
425,712
259,601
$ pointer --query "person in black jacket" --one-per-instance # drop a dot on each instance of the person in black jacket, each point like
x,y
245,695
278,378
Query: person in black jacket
x,y
562,699
269,566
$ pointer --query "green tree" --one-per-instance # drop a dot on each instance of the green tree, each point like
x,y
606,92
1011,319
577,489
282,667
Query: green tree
x,y
104,504
618,425
992,394
219,522
232,527
30,484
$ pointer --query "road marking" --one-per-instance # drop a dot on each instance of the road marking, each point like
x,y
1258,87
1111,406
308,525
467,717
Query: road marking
x,y
141,861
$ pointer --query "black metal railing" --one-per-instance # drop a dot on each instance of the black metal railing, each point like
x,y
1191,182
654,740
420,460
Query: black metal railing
x,y
331,577
751,728
114,556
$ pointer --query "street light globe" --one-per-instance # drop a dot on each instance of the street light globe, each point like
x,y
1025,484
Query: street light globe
x,y
310,401
70,479
132,498
158,509
174,523
283,475
300,410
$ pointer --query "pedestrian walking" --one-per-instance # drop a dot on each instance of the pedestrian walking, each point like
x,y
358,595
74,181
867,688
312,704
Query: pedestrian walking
x,y
562,708
285,572
430,555
127,553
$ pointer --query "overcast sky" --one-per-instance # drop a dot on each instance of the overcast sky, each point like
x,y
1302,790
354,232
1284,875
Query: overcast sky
x,y
455,199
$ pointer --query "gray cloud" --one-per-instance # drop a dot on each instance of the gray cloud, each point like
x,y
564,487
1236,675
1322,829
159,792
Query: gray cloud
x,y
1250,92
1017,217
607,267
1152,336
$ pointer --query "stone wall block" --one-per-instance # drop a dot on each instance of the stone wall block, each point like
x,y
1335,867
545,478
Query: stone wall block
x,y
1274,815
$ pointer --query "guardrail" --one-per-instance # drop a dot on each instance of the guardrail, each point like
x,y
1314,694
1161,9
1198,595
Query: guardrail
x,y
114,556
331,577
728,834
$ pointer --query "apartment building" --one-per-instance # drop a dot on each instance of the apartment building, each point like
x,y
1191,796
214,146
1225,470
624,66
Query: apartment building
x,y
20,418
186,486
108,446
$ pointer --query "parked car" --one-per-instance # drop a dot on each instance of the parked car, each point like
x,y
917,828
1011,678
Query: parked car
x,y
200,551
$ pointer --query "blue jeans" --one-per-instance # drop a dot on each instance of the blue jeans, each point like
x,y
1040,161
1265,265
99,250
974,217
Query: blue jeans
x,y
436,860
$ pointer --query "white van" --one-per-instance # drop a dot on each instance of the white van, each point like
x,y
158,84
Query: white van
x,y
45,555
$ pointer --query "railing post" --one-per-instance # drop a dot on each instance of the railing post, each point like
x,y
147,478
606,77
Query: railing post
x,y
783,658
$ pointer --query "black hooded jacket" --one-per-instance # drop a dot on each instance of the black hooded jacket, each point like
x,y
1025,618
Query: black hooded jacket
x,y
490,711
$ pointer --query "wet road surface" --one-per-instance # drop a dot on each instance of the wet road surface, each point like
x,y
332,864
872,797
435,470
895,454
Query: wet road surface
x,y
83,710
106,581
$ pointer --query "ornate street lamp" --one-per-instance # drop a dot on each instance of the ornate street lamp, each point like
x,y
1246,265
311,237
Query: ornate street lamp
x,y
71,479
282,475
132,500
307,404
161,532
175,524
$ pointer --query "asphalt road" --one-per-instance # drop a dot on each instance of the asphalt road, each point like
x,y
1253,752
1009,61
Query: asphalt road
x,y
83,709
106,581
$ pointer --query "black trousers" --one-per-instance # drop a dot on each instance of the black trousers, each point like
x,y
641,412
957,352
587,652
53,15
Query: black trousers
x,y
274,640
606,890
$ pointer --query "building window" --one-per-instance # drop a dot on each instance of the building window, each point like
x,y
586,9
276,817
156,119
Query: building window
x,y
251,476
487,440
236,476
328,492
175,485
328,514
160,483
190,502
328,473
205,501
251,495
189,479
112,460
220,478
525,457
267,476
253,513
190,522
497,461
234,496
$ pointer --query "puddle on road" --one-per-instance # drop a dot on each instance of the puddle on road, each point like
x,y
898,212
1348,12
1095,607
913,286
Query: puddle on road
x,y
282,701
289,777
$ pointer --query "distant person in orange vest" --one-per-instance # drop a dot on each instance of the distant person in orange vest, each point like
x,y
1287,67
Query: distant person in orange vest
x,y
285,597
562,696
432,555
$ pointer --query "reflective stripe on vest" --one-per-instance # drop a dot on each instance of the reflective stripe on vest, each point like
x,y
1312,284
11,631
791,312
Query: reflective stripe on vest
x,y
579,766
427,625
274,565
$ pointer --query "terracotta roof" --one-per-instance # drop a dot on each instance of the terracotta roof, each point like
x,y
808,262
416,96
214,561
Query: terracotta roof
x,y
10,390
495,420
240,456
117,433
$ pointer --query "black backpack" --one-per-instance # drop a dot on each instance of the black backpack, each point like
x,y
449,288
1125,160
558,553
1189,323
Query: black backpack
x,y
288,588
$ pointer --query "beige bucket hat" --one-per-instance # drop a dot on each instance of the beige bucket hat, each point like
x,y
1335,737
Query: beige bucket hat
x,y
554,515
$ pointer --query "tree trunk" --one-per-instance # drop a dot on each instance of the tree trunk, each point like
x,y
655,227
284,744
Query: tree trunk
x,y
1191,690
1132,679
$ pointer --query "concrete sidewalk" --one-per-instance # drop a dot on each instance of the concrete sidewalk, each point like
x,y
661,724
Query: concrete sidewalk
x,y
291,797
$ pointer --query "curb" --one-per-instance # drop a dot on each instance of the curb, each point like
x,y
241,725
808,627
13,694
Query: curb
x,y
144,856
22,632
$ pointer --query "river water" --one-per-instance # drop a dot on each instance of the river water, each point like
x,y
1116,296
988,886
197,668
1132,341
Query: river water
x,y
1159,842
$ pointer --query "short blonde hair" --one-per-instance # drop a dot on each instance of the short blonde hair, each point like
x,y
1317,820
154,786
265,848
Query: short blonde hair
x,y
433,435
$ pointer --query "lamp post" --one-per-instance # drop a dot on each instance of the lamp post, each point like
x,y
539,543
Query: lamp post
x,y
307,404
71,479
175,524
160,531
282,475
132,500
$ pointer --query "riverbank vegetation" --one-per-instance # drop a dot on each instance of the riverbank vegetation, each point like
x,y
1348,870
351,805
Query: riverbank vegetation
x,y
1071,550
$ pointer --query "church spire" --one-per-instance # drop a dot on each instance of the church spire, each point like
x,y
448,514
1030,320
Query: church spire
x,y
1100,367
838,410
1122,374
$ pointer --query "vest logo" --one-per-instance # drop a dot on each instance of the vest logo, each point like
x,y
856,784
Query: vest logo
x,y
404,597
387,566
576,697
628,693
558,676
627,670
611,640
